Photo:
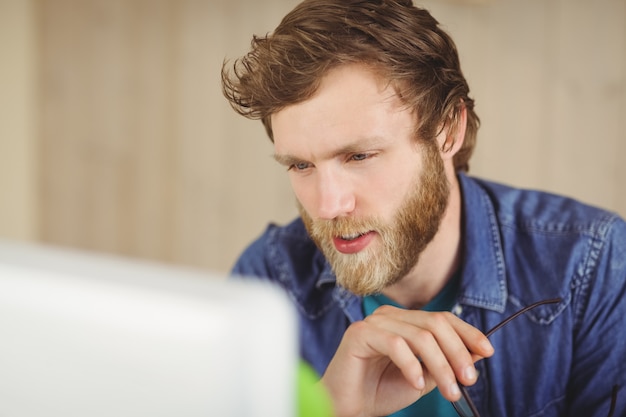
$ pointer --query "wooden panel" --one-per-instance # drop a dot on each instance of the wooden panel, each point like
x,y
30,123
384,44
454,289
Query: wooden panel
x,y
18,134
142,155
228,184
550,82
107,121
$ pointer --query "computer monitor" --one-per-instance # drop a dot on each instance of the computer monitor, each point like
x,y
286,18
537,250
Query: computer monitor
x,y
93,335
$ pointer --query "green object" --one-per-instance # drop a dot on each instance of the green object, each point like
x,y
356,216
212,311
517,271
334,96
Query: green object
x,y
313,400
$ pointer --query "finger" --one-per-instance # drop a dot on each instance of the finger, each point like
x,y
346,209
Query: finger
x,y
452,340
379,341
440,354
475,340
363,342
438,364
360,370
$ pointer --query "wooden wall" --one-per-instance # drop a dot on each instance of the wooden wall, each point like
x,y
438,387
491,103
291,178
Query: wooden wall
x,y
139,153
18,132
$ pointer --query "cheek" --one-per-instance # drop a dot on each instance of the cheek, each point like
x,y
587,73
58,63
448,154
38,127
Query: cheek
x,y
386,192
304,194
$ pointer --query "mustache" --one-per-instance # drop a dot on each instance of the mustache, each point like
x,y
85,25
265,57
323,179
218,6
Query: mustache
x,y
344,226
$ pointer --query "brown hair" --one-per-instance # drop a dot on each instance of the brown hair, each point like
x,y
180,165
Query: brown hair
x,y
402,43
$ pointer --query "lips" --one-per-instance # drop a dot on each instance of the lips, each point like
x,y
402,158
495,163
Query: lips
x,y
353,243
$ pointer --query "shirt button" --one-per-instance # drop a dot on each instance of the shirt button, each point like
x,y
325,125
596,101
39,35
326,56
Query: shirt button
x,y
457,310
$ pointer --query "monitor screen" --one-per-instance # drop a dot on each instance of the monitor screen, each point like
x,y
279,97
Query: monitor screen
x,y
93,335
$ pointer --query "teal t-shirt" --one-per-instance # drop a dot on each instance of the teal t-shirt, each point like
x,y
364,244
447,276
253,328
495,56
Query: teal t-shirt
x,y
431,404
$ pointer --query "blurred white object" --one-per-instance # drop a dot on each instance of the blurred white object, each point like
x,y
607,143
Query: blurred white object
x,y
86,335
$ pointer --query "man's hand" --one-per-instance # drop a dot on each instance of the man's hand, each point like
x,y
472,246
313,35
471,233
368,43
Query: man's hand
x,y
393,357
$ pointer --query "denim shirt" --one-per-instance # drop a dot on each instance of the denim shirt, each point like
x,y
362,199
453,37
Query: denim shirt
x,y
519,246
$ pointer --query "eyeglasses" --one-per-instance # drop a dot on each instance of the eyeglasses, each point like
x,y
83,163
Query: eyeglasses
x,y
466,408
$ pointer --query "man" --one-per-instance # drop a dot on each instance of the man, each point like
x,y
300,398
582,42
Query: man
x,y
400,261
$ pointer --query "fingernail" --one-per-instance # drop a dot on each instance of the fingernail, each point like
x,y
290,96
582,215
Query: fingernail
x,y
454,390
421,384
486,346
470,373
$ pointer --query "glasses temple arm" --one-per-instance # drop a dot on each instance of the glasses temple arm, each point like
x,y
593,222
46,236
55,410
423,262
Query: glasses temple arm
x,y
519,313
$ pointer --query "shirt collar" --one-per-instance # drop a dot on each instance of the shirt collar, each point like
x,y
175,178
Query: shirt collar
x,y
484,279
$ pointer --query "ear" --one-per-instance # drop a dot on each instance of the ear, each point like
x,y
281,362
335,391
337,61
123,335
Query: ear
x,y
452,135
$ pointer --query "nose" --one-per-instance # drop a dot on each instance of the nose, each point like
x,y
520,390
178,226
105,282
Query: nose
x,y
335,195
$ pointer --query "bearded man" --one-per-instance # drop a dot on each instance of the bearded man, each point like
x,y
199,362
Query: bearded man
x,y
399,260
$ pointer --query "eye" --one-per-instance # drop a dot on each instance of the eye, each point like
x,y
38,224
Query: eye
x,y
359,156
299,166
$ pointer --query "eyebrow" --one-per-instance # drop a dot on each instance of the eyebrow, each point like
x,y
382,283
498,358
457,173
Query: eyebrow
x,y
355,147
286,160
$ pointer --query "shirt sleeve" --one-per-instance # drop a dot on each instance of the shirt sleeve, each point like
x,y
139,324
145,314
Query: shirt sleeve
x,y
253,262
599,361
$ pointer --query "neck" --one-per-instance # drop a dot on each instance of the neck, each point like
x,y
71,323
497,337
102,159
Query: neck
x,y
439,261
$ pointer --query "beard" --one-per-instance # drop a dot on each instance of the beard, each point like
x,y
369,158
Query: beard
x,y
402,240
